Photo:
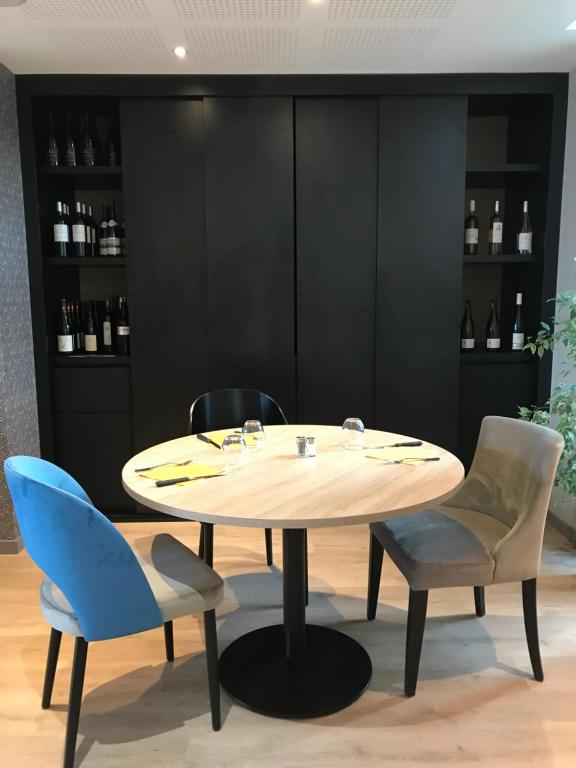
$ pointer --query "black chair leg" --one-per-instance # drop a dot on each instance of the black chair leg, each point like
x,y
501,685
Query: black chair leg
x,y
268,537
51,662
417,604
201,542
211,640
531,626
208,548
169,640
306,593
479,601
76,686
374,573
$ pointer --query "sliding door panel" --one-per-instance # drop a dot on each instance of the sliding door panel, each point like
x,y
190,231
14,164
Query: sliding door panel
x,y
336,224
421,204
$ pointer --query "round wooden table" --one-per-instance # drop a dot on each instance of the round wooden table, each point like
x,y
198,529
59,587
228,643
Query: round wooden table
x,y
295,669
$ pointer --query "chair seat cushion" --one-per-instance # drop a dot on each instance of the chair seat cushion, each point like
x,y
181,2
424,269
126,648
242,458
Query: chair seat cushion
x,y
182,583
434,550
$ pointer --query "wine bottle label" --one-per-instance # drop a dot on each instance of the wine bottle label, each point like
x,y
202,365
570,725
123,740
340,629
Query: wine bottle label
x,y
496,233
467,343
65,343
525,242
493,343
90,343
107,333
78,233
123,330
471,237
61,234
88,234
517,341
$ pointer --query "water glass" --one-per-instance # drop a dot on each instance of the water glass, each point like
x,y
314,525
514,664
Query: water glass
x,y
234,447
353,434
254,428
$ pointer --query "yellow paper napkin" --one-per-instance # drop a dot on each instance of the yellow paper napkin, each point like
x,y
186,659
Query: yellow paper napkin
x,y
191,471
219,435
402,454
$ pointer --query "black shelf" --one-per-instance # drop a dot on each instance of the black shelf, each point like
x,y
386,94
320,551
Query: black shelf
x,y
89,361
80,170
504,168
502,357
92,261
512,258
496,175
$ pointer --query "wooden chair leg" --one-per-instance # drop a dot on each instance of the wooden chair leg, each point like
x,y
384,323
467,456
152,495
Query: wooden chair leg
x,y
76,686
201,542
417,604
51,662
211,640
374,573
479,601
169,640
208,550
531,626
268,537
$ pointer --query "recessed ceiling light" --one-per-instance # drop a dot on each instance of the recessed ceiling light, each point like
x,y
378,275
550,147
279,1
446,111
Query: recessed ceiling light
x,y
180,51
315,2
572,26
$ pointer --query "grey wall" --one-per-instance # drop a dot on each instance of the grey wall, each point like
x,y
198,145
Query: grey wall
x,y
18,413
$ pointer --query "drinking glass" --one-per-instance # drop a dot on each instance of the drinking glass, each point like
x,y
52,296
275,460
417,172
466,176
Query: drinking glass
x,y
353,434
234,447
254,428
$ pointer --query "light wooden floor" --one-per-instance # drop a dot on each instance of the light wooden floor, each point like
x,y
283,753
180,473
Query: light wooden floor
x,y
476,702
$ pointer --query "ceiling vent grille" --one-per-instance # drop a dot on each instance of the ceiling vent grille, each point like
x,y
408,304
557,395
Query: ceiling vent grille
x,y
391,9
373,50
112,49
228,50
100,10
238,9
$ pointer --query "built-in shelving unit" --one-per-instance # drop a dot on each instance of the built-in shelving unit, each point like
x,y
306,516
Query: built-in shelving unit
x,y
89,361
87,263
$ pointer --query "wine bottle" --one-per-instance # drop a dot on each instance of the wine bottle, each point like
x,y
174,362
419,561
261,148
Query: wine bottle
x,y
493,328
92,224
495,231
107,346
61,233
518,327
88,146
112,154
123,328
88,230
78,233
525,233
467,329
104,232
123,239
79,323
52,150
471,231
65,339
90,336
113,233
70,144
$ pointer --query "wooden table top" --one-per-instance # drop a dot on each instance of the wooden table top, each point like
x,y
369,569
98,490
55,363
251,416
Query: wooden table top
x,y
276,489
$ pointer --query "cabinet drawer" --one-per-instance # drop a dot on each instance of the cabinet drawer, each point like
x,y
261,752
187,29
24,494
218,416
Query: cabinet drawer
x,y
92,390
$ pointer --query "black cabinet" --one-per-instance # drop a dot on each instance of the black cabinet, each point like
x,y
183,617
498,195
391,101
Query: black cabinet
x,y
422,161
336,223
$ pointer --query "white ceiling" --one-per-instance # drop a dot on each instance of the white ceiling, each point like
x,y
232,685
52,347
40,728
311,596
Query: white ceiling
x,y
288,36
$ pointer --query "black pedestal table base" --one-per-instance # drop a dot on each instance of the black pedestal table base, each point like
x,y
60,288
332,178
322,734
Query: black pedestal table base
x,y
295,670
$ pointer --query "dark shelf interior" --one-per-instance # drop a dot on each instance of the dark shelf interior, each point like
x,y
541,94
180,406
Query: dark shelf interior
x,y
500,357
504,168
96,261
80,170
512,258
89,361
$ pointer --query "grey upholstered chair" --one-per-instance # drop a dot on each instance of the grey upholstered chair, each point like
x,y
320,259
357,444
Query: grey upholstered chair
x,y
489,532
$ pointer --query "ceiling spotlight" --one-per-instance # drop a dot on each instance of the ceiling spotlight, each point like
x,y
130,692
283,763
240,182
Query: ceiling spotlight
x,y
180,51
572,27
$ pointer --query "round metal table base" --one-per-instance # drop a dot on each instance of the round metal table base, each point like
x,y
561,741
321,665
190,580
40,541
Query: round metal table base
x,y
333,673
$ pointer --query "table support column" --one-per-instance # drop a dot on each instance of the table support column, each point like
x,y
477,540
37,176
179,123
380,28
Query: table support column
x,y
294,560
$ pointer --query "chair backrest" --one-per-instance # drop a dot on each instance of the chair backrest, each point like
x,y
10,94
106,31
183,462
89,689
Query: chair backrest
x,y
80,551
230,408
511,479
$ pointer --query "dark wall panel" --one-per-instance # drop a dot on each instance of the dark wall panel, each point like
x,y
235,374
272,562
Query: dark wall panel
x,y
250,244
162,145
336,224
421,204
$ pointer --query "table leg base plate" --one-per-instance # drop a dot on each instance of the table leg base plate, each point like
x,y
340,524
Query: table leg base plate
x,y
333,673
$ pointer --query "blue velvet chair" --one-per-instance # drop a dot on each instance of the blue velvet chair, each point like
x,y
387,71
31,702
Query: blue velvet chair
x,y
97,586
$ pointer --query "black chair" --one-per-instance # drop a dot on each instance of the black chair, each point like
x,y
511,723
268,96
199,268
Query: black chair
x,y
230,408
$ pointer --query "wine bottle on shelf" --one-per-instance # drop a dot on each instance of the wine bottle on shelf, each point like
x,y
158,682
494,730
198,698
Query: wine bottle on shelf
x,y
123,239
79,320
69,145
471,231
107,345
52,150
495,231
88,231
88,146
518,327
525,234
92,224
104,232
90,335
493,328
61,233
112,154
65,338
123,327
78,233
467,336
113,233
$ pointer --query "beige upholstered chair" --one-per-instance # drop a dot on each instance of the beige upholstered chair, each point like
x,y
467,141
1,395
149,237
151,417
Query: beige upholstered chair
x,y
489,532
